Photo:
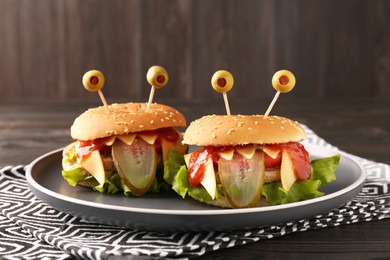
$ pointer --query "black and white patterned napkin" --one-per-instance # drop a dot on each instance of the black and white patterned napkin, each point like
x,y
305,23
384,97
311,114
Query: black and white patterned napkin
x,y
31,229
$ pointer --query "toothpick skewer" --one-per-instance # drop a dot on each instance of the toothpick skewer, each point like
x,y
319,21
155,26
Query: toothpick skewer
x,y
103,99
223,81
225,98
283,81
272,103
93,81
151,95
157,77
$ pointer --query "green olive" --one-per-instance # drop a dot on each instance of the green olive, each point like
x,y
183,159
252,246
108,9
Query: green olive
x,y
222,81
93,80
283,81
157,76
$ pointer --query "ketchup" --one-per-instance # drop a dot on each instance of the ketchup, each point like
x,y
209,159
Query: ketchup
x,y
168,134
301,160
84,148
198,161
297,152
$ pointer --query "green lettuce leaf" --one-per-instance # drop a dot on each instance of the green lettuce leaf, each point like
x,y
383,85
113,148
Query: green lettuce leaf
x,y
323,171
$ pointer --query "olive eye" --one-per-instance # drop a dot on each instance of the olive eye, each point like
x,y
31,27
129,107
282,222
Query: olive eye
x,y
283,81
93,80
222,81
157,76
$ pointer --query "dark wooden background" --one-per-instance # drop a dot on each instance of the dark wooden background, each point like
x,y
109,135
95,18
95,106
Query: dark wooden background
x,y
335,48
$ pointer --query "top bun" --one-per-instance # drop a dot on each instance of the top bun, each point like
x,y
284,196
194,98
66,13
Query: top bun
x,y
224,130
124,119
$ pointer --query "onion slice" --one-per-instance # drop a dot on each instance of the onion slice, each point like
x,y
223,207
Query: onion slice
x,y
136,164
242,179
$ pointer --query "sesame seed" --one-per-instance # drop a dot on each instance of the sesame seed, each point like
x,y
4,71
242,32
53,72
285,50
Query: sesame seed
x,y
249,128
151,121
141,126
213,135
132,121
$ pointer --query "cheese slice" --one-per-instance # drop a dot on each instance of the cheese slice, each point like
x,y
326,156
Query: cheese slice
x,y
247,151
273,153
150,139
127,139
187,158
287,174
227,155
166,147
209,182
94,165
110,141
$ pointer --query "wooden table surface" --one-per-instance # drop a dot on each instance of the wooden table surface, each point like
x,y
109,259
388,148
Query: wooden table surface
x,y
359,126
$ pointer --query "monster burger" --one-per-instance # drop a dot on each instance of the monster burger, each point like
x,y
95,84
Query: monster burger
x,y
122,147
248,160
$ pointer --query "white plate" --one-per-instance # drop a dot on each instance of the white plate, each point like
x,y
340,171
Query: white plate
x,y
166,211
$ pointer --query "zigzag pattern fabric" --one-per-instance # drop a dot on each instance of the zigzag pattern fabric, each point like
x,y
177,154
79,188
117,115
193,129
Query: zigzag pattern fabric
x,y
31,229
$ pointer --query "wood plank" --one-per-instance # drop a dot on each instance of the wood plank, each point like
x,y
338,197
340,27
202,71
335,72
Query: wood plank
x,y
334,48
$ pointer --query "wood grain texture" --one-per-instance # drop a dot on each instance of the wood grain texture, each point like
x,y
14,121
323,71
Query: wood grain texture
x,y
335,48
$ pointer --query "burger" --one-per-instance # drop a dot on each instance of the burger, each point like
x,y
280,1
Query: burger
x,y
122,147
240,161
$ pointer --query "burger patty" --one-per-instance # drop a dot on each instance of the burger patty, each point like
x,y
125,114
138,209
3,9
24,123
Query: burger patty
x,y
272,175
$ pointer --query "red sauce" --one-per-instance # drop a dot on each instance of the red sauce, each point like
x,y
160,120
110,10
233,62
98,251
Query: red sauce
x,y
197,163
168,134
270,162
301,160
84,148
297,152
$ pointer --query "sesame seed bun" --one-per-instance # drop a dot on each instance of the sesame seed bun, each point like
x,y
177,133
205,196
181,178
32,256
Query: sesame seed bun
x,y
124,119
224,130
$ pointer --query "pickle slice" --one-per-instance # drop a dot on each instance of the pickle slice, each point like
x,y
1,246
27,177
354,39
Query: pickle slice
x,y
242,179
136,164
